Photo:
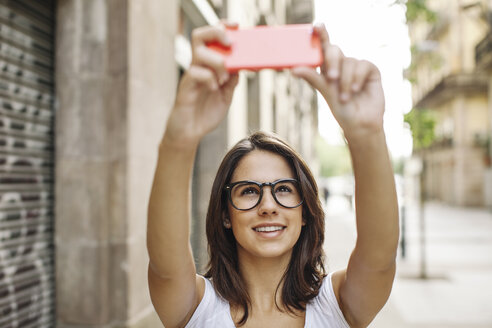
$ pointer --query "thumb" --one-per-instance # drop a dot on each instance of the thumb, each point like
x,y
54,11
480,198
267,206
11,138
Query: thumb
x,y
310,75
328,89
230,86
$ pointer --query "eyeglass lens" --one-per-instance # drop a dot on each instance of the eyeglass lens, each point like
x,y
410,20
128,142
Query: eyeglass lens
x,y
247,195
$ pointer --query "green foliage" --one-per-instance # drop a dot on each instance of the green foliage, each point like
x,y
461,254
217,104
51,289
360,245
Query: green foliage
x,y
432,59
398,165
334,159
417,9
483,141
422,123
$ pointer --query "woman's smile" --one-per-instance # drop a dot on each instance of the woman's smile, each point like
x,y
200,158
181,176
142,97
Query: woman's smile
x,y
268,229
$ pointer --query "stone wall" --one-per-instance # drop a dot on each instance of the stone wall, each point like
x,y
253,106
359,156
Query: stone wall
x,y
116,77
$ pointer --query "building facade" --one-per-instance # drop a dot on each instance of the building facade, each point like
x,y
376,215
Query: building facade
x,y
85,92
447,80
483,61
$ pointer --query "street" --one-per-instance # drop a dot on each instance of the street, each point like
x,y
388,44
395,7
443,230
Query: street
x,y
457,292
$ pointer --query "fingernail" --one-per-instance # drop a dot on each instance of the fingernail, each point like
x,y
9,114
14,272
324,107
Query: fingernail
x,y
344,96
333,73
223,78
355,87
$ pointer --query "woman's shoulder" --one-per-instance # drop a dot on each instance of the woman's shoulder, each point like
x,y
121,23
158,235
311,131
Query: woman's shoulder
x,y
212,311
324,308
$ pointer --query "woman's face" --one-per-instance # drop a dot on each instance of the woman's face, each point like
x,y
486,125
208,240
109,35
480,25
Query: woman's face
x,y
269,229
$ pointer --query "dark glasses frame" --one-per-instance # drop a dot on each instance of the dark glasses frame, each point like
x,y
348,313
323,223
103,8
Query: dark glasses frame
x,y
228,188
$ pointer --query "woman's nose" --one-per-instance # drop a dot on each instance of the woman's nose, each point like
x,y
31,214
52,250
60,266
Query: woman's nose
x,y
267,205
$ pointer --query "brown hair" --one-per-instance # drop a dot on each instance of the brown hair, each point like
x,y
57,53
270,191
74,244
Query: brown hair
x,y
305,271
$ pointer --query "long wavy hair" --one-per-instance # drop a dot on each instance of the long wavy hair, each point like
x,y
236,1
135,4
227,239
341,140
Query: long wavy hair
x,y
305,272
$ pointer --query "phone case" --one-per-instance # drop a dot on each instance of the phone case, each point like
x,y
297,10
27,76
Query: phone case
x,y
275,47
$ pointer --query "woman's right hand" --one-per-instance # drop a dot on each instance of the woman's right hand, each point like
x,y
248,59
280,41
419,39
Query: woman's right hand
x,y
204,93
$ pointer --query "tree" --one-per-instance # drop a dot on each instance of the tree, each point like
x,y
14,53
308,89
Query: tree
x,y
417,9
422,124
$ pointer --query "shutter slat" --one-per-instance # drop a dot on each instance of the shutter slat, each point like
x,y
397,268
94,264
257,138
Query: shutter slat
x,y
30,58
12,200
41,9
21,18
23,146
27,289
15,256
24,164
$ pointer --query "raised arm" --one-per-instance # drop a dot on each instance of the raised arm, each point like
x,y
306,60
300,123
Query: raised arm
x,y
203,98
354,93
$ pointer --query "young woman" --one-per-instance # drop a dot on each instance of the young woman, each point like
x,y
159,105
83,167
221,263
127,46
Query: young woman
x,y
265,223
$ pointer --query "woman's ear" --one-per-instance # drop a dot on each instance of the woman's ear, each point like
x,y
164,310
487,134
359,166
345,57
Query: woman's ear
x,y
303,221
226,221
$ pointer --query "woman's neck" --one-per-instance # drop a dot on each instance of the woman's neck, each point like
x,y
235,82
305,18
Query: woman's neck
x,y
262,277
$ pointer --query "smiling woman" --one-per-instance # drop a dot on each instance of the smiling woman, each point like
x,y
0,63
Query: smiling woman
x,y
246,222
265,224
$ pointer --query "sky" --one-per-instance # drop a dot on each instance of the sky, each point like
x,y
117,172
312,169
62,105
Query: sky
x,y
374,30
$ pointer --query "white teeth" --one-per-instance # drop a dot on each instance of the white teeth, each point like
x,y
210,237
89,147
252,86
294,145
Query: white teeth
x,y
268,229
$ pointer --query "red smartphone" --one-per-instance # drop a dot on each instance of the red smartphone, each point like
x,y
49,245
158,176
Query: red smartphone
x,y
275,47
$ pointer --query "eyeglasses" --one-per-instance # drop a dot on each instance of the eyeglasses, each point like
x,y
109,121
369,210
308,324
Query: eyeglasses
x,y
245,195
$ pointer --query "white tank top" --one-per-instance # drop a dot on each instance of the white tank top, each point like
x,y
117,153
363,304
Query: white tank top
x,y
321,312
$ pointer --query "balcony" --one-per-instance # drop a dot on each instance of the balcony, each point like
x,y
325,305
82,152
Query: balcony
x,y
452,85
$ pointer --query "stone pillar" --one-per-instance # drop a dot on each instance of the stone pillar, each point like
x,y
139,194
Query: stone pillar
x,y
116,78
152,83
488,170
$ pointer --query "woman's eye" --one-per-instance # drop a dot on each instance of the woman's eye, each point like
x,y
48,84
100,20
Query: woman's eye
x,y
249,191
283,188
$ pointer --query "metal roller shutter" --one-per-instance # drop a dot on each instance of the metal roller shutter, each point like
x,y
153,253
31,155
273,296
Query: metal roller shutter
x,y
26,163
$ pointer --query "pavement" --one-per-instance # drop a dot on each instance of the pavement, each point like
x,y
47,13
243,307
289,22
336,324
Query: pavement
x,y
451,288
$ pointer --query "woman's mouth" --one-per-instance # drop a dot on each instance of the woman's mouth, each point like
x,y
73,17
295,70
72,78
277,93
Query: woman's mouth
x,y
269,231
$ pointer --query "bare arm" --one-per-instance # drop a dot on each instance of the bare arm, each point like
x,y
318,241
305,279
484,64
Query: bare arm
x,y
353,90
366,286
203,98
171,268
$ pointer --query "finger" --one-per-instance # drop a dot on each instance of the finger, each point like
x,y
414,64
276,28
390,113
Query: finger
x,y
332,54
309,74
203,56
364,71
230,85
327,88
320,30
202,75
233,81
333,62
211,59
202,35
346,78
229,24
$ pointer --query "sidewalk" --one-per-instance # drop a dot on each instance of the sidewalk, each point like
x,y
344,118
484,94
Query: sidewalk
x,y
458,292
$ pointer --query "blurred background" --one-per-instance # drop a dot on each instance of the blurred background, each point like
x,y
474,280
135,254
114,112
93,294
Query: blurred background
x,y
86,87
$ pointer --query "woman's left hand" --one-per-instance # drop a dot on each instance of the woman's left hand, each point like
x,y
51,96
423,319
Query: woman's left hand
x,y
352,88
